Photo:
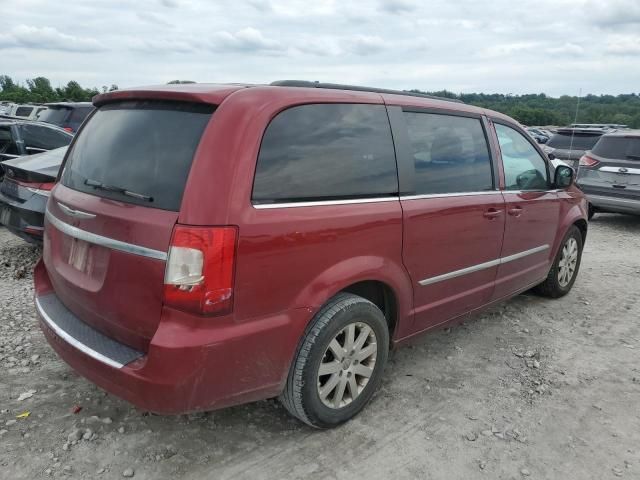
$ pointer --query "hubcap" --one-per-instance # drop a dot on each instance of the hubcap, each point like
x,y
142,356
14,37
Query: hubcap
x,y
568,262
347,365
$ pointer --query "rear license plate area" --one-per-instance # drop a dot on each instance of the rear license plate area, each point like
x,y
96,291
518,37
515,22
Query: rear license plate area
x,y
79,254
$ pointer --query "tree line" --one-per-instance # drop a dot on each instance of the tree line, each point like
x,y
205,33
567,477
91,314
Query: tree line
x,y
530,109
540,109
39,90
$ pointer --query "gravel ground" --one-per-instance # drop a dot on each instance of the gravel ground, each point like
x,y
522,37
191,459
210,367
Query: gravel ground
x,y
531,389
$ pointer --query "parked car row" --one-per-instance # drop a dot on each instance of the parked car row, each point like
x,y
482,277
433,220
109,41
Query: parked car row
x,y
26,112
30,157
68,115
570,144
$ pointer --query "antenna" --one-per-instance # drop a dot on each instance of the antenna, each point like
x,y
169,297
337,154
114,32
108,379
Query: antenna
x,y
575,121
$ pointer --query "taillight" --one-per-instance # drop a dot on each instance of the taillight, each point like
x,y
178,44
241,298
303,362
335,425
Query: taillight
x,y
43,189
200,267
68,129
587,161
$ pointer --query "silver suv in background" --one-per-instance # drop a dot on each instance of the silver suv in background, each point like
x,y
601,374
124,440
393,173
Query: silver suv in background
x,y
570,144
610,173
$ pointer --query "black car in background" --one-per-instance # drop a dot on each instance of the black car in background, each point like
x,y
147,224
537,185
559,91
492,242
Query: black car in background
x,y
569,144
66,115
26,137
24,192
610,173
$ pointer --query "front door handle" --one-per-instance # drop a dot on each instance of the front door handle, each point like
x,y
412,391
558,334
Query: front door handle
x,y
492,213
515,211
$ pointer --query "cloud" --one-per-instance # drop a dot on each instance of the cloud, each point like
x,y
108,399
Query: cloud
x,y
505,49
152,17
614,13
462,46
566,49
364,44
397,6
624,45
247,39
47,38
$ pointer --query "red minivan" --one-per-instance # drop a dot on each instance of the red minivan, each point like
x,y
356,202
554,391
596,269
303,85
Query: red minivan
x,y
209,245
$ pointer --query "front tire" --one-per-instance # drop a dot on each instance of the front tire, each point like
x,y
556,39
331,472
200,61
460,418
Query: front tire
x,y
564,270
339,363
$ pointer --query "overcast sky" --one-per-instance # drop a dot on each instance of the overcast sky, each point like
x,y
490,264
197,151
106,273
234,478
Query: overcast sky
x,y
505,46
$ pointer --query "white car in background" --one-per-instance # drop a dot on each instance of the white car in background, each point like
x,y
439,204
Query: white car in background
x,y
26,112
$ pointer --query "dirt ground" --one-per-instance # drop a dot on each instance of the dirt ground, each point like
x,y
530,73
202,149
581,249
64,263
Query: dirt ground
x,y
533,389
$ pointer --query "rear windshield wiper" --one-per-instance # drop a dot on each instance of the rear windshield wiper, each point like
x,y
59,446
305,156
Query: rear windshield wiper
x,y
113,188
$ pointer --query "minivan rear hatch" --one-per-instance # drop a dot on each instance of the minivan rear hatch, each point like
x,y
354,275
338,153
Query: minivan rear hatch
x,y
109,221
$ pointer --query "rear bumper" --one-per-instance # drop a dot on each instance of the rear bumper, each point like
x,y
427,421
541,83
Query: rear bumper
x,y
615,204
24,219
185,369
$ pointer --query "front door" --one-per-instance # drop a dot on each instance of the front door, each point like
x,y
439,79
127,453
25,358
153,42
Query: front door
x,y
453,218
533,212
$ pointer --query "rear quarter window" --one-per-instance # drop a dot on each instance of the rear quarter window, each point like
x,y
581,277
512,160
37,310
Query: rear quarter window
x,y
325,152
140,152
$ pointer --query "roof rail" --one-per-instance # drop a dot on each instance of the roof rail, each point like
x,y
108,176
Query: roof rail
x,y
357,88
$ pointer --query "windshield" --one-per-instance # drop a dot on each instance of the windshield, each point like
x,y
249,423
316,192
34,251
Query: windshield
x,y
144,147
581,141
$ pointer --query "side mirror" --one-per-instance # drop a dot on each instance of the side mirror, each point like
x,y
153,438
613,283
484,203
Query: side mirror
x,y
564,177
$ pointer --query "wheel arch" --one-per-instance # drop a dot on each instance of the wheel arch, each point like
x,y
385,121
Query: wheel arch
x,y
384,283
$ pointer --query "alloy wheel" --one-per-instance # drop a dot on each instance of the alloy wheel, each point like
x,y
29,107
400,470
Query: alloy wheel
x,y
347,365
568,262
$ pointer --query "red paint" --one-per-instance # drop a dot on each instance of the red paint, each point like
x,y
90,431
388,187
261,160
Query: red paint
x,y
287,262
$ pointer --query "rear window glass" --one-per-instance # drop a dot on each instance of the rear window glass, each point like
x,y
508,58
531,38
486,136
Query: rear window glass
x,y
325,152
137,152
79,114
450,154
23,111
580,141
54,115
623,148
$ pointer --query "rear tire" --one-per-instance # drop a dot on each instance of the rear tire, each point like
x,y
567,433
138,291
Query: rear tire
x,y
564,271
339,363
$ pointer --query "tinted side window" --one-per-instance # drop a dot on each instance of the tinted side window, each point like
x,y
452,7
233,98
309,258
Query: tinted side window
x,y
7,142
45,138
524,168
326,151
450,154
